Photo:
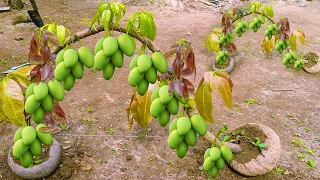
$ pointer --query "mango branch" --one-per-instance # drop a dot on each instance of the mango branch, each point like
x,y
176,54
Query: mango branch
x,y
249,13
90,31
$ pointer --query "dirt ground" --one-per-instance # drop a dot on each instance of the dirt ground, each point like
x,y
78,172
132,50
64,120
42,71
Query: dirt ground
x,y
122,155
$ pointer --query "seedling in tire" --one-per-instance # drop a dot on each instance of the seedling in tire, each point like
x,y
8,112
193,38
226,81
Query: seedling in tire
x,y
259,144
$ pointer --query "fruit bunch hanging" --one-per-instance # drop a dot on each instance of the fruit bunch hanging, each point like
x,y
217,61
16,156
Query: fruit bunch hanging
x,y
183,133
225,39
215,158
28,143
281,45
241,27
271,30
256,23
222,56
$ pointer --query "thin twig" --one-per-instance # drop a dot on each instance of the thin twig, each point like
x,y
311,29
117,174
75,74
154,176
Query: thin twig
x,y
247,14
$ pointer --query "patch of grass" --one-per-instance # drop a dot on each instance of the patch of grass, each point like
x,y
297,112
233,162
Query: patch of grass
x,y
298,142
300,156
273,116
90,110
279,170
307,129
251,101
244,153
310,152
311,164
296,134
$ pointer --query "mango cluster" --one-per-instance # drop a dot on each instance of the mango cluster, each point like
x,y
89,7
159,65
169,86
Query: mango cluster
x,y
241,27
40,98
282,45
109,53
225,39
143,70
222,56
183,133
70,65
271,31
28,143
256,23
290,58
214,159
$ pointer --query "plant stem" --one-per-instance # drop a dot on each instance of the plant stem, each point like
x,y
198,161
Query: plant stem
x,y
249,13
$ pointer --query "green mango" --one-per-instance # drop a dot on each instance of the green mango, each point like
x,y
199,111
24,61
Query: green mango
x,y
61,71
207,153
144,63
191,138
220,163
164,118
208,164
117,59
135,76
70,58
156,108
133,63
28,135
182,149
29,90
173,106
38,116
215,153
56,90
151,75
108,71
174,139
142,87
77,70
226,153
214,172
99,46
100,60
164,94
199,124
126,44
47,103
110,46
183,125
17,135
26,159
159,62
40,91
68,83
86,57
44,137
59,57
155,93
31,105
173,125
19,149
181,99
36,147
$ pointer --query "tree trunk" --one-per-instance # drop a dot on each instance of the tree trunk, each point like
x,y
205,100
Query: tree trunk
x,y
16,4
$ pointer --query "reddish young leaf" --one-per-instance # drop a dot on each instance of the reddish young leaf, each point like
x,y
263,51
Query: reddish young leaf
x,y
171,87
58,110
35,70
38,76
177,86
188,84
185,91
52,38
285,27
231,47
34,47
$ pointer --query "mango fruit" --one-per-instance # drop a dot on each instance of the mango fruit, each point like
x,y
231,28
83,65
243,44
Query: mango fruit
x,y
100,60
208,164
61,71
164,118
29,90
117,59
207,153
135,76
151,75
99,46
182,149
173,125
26,159
164,94
183,125
220,163
36,147
77,70
38,116
173,106
174,139
85,57
59,57
214,172
110,46
156,108
47,103
44,137
56,90
226,153
28,135
68,83
108,71
126,44
31,105
181,99
144,63
133,63
142,87
17,135
19,149
70,58
159,62
155,93
191,138
215,153
40,91
199,124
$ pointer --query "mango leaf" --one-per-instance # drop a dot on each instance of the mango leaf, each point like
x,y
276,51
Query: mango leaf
x,y
224,90
61,33
22,75
13,101
52,28
269,11
147,26
106,15
226,76
131,109
293,39
268,45
143,107
203,99
212,42
3,117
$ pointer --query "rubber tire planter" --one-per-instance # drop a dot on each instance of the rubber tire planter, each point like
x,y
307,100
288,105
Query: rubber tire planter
x,y
41,170
229,69
268,158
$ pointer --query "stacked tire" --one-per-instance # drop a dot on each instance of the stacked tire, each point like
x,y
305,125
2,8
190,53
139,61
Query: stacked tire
x,y
183,133
28,143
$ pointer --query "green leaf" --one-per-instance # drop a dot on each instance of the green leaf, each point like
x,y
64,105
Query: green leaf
x,y
212,42
311,164
203,99
3,117
106,20
262,145
226,138
147,26
293,38
61,33
21,75
52,28
13,101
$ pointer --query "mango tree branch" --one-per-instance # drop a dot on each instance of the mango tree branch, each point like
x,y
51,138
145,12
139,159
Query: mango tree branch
x,y
249,13
90,31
